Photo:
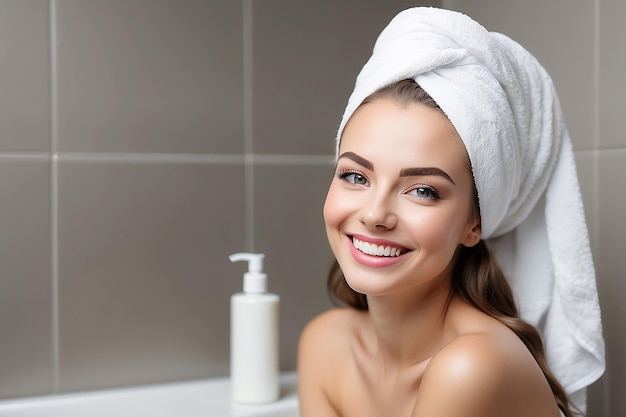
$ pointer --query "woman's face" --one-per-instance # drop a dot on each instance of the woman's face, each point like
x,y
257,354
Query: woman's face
x,y
399,204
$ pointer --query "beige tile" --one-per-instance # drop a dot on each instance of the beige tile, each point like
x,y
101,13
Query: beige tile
x,y
144,275
596,398
25,287
560,33
306,58
612,64
150,76
611,265
289,229
24,75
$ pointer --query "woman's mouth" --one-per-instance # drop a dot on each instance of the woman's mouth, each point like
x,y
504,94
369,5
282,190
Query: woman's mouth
x,y
373,249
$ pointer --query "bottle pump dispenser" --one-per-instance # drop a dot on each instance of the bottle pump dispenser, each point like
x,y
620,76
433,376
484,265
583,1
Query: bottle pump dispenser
x,y
254,351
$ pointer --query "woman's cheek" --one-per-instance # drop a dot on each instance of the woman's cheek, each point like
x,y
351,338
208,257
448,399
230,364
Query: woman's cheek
x,y
338,205
332,206
434,228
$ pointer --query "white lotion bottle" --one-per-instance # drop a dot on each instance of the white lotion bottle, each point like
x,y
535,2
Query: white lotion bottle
x,y
254,348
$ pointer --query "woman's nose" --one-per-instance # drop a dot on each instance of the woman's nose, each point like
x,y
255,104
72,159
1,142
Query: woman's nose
x,y
378,213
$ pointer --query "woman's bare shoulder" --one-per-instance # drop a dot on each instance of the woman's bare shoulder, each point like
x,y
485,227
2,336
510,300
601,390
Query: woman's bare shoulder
x,y
488,373
322,352
330,331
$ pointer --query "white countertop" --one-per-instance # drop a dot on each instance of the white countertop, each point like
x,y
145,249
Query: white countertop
x,y
202,398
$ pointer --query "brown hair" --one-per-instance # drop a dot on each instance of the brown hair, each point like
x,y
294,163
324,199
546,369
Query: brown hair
x,y
477,278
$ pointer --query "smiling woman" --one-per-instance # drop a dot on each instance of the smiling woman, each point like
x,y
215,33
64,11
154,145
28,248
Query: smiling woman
x,y
398,214
403,170
430,168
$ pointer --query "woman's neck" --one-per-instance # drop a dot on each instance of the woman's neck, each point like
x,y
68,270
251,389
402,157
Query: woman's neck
x,y
408,327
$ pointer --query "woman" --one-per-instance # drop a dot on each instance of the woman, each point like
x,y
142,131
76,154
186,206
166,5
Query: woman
x,y
428,168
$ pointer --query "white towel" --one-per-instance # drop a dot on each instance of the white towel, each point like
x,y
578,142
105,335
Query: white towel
x,y
504,106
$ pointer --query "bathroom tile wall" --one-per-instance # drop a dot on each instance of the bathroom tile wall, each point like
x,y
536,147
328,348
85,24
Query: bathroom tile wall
x,y
141,143
25,229
580,43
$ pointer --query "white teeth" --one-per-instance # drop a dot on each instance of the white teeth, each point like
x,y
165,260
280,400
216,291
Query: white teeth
x,y
375,250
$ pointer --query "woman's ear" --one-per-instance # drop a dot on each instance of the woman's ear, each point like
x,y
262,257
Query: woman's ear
x,y
473,235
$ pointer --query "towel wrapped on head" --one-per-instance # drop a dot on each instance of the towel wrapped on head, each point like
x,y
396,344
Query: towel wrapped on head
x,y
504,107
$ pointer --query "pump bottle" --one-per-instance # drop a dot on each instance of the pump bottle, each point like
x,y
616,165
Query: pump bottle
x,y
254,349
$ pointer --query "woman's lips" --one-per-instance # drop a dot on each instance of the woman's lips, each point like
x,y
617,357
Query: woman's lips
x,y
375,252
373,249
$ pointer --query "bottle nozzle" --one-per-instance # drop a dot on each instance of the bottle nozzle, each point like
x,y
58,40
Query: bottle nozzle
x,y
255,260
254,280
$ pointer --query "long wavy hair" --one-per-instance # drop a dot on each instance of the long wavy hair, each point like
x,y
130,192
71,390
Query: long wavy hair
x,y
477,278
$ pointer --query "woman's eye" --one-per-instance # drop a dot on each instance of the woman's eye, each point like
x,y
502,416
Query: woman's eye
x,y
353,177
424,192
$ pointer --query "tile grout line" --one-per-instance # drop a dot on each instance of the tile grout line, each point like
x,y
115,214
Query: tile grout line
x,y
597,65
247,72
169,158
173,158
54,227
596,121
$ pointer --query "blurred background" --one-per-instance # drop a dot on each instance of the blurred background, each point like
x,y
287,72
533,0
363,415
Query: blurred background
x,y
143,141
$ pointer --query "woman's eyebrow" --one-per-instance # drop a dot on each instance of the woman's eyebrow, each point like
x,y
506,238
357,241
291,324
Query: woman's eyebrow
x,y
416,172
405,172
358,159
